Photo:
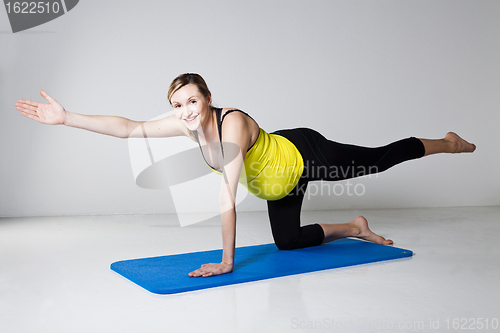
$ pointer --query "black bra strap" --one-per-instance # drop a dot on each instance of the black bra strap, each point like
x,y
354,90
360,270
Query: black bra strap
x,y
229,111
218,113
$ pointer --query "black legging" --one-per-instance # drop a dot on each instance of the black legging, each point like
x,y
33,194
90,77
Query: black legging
x,y
328,160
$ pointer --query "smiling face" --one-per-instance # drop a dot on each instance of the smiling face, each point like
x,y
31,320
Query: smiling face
x,y
191,107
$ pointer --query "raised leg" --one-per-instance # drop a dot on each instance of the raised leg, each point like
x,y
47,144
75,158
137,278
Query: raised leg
x,y
451,143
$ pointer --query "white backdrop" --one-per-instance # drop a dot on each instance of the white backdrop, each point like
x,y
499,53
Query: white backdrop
x,y
361,72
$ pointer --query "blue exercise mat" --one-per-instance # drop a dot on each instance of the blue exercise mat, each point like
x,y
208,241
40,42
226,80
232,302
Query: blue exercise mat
x,y
169,274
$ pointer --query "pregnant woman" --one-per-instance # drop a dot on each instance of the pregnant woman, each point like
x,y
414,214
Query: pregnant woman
x,y
275,166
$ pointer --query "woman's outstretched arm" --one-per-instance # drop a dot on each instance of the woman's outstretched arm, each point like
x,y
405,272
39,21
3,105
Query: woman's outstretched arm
x,y
52,113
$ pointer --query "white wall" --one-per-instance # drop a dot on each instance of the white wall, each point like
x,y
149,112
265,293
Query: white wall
x,y
361,72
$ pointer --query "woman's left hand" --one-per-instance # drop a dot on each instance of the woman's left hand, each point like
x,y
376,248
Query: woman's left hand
x,y
212,269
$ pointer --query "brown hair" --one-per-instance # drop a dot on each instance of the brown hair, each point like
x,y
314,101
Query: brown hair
x,y
185,79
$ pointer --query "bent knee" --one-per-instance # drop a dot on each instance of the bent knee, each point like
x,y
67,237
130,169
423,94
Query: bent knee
x,y
286,244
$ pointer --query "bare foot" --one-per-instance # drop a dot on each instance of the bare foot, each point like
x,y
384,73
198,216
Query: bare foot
x,y
363,232
459,145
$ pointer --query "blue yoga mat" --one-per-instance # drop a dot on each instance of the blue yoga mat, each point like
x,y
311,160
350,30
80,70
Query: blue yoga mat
x,y
169,274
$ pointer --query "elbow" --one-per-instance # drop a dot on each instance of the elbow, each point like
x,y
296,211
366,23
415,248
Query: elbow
x,y
131,129
125,133
225,204
121,135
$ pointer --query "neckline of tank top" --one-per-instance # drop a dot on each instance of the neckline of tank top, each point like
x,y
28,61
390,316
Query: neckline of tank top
x,y
218,112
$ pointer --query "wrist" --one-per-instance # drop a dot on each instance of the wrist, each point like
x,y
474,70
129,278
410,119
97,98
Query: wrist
x,y
230,264
65,116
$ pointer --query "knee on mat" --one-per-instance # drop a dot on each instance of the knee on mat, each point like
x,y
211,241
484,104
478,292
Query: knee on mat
x,y
286,244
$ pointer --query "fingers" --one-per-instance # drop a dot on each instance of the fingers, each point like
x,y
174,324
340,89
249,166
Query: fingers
x,y
26,104
34,117
197,273
27,101
24,107
207,270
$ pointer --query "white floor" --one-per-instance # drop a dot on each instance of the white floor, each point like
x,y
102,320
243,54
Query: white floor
x,y
55,277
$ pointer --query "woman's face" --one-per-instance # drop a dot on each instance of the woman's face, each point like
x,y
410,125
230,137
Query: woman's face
x,y
191,107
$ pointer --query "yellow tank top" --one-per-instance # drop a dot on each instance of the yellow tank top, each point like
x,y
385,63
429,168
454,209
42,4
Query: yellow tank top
x,y
273,165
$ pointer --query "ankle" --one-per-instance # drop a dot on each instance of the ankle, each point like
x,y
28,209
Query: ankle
x,y
355,230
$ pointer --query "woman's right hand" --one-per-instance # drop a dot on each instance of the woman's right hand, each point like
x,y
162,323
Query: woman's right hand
x,y
51,113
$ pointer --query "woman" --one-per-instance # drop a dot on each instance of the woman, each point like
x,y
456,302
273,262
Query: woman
x,y
277,166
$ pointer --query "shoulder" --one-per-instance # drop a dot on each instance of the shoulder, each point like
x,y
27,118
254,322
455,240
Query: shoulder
x,y
233,116
237,120
237,127
237,116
